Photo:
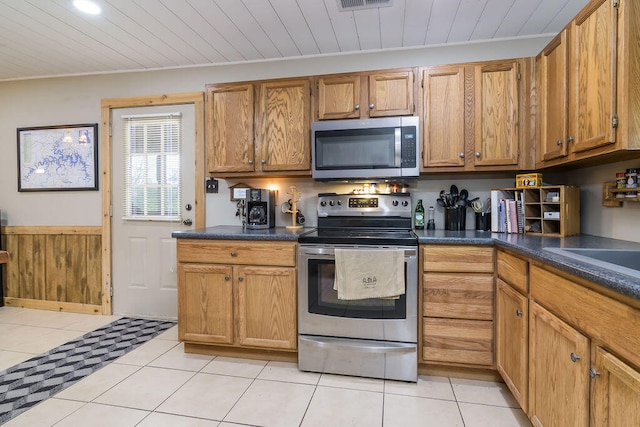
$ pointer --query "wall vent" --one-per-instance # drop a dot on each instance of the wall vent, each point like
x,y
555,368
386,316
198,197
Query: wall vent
x,y
351,5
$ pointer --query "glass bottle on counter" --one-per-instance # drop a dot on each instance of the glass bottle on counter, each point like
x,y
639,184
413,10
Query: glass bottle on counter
x,y
419,216
431,224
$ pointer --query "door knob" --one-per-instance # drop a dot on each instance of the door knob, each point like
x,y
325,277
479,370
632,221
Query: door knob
x,y
188,206
575,357
188,222
371,106
518,312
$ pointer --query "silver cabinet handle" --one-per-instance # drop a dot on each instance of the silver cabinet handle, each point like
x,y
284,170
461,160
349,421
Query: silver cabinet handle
x,y
593,373
570,139
518,312
234,253
356,107
250,162
559,142
462,155
263,161
240,279
227,278
477,154
371,106
575,357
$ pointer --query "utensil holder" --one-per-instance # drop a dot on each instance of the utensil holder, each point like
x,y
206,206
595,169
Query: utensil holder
x,y
483,221
455,218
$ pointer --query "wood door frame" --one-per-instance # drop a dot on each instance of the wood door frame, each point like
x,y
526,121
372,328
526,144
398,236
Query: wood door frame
x,y
109,104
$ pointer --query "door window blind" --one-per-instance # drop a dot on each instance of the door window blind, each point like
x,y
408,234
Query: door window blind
x,y
152,166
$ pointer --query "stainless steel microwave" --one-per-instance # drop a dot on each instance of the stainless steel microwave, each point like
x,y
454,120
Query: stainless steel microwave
x,y
366,149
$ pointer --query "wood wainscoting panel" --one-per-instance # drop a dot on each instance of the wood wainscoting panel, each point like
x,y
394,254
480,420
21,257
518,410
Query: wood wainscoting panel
x,y
61,264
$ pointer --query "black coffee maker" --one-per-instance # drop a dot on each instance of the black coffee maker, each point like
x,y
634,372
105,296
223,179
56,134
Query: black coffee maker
x,y
260,208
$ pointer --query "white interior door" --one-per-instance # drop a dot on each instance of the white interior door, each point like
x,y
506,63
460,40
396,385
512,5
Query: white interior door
x,y
143,251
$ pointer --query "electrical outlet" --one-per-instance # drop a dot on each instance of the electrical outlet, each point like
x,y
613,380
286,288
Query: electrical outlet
x,y
211,185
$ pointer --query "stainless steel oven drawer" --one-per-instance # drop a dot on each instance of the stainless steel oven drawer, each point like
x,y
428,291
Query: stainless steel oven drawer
x,y
364,358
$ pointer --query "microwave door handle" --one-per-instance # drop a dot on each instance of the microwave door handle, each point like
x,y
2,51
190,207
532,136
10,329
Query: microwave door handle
x,y
398,145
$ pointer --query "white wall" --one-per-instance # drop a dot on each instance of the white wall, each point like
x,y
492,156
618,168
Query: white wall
x,y
72,100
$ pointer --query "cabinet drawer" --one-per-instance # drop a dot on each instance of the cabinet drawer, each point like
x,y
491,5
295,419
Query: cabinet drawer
x,y
458,258
458,296
237,252
468,342
513,270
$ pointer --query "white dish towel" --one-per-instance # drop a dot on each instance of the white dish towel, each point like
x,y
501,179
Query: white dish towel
x,y
369,273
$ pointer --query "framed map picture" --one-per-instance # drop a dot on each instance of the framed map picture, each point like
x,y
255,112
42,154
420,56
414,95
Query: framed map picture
x,y
58,158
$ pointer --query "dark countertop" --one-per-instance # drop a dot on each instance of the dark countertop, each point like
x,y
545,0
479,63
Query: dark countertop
x,y
237,232
532,246
528,245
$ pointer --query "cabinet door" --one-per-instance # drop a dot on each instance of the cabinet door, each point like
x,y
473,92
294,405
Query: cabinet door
x,y
593,76
267,307
391,94
552,80
615,393
444,116
339,97
205,303
559,372
512,345
496,114
284,142
230,136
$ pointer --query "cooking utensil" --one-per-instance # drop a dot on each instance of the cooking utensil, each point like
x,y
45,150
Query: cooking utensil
x,y
441,203
454,194
464,194
477,207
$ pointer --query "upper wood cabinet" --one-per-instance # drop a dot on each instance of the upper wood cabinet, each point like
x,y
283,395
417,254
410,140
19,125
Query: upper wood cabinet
x,y
586,77
496,114
592,79
283,137
474,115
361,95
230,121
553,71
443,132
258,128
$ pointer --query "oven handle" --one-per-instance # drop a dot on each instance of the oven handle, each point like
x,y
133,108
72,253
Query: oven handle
x,y
359,345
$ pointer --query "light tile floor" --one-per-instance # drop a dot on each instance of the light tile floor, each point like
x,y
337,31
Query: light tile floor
x,y
159,385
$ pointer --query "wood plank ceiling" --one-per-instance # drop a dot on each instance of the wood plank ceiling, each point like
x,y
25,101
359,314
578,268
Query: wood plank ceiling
x,y
40,38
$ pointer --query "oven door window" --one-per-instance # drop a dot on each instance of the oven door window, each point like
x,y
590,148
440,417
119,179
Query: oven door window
x,y
323,299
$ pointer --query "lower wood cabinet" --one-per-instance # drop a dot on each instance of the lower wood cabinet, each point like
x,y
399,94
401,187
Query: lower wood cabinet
x,y
457,305
512,341
237,304
615,391
559,382
573,360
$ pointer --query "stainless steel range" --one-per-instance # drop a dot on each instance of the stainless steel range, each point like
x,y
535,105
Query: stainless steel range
x,y
370,337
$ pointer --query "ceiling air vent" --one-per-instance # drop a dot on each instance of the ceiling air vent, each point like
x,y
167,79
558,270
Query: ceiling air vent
x,y
350,5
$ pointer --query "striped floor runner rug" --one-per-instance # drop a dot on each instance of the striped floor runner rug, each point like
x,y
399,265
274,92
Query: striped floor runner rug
x,y
29,383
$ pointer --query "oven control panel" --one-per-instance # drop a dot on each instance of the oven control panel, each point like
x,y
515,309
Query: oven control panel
x,y
331,204
363,202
